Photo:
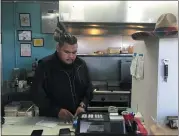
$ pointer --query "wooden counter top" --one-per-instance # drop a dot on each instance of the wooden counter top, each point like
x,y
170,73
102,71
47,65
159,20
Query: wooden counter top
x,y
163,130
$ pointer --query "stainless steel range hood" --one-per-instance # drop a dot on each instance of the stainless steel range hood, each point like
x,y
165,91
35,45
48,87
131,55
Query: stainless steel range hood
x,y
106,17
115,11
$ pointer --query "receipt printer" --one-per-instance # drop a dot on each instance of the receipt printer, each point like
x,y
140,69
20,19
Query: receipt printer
x,y
92,124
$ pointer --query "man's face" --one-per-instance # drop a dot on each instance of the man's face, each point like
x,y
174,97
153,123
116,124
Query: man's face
x,y
67,53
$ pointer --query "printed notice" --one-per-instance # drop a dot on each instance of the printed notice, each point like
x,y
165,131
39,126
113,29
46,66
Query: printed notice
x,y
25,50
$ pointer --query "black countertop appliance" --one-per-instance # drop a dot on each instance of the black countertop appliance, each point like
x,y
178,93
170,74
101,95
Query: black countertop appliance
x,y
111,79
99,124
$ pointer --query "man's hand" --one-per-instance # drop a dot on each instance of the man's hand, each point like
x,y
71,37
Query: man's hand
x,y
79,110
65,115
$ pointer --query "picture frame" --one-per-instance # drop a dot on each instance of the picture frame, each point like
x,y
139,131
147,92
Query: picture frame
x,y
25,19
38,42
24,35
25,49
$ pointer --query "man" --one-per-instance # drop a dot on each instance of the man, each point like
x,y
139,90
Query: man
x,y
61,86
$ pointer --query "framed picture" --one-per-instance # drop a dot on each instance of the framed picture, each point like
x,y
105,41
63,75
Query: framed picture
x,y
38,42
25,20
24,35
25,50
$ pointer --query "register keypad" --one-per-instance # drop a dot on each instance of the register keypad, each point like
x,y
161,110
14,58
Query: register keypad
x,y
92,116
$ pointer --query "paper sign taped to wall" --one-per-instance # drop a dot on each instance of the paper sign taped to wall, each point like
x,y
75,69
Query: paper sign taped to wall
x,y
25,49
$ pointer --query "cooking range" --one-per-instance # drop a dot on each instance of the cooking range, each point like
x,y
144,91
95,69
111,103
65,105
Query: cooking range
x,y
105,95
111,82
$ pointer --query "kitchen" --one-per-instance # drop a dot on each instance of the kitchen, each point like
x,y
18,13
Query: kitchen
x,y
94,43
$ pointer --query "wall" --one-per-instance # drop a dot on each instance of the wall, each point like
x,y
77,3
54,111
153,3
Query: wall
x,y
8,51
168,91
144,92
160,98
11,47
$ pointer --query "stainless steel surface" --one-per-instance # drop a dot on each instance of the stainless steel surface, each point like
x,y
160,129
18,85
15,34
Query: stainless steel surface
x,y
115,11
106,29
100,85
106,55
89,44
103,108
49,20
91,13
115,98
111,92
111,98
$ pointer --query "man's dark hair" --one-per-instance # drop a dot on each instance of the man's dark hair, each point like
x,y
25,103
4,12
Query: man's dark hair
x,y
63,37
67,38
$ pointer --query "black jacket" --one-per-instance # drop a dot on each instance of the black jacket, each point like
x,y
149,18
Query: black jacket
x,y
54,87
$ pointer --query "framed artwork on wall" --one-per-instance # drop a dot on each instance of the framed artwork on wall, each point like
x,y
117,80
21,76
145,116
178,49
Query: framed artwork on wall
x,y
24,35
25,19
38,42
25,50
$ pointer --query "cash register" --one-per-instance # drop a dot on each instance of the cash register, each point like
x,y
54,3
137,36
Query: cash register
x,y
92,124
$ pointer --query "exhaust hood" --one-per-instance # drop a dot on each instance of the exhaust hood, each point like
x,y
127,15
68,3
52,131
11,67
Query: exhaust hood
x,y
115,11
105,17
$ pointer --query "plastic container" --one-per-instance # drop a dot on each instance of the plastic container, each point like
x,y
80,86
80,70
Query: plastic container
x,y
11,109
113,50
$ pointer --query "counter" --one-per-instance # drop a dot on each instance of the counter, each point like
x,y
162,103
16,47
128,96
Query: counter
x,y
163,130
25,126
